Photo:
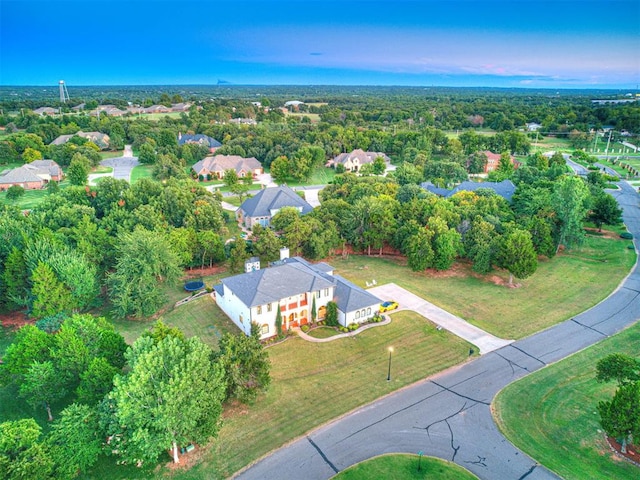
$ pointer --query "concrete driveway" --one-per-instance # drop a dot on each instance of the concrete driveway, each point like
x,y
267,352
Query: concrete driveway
x,y
456,325
448,415
122,166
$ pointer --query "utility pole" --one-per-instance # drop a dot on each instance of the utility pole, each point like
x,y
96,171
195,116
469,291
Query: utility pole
x,y
606,152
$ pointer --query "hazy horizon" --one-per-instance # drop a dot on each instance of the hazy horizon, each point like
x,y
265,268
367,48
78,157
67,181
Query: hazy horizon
x,y
570,44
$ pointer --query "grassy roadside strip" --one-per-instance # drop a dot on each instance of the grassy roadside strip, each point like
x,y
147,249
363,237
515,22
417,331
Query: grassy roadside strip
x,y
551,414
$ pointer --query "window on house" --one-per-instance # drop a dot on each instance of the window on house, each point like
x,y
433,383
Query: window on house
x,y
265,328
362,312
259,310
369,311
268,307
357,315
241,319
326,292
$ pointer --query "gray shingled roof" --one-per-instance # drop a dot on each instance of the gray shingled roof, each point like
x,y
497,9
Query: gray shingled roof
x,y
222,163
350,297
505,189
274,198
47,165
20,175
361,155
199,138
275,283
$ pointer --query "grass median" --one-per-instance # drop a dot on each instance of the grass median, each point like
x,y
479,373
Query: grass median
x,y
551,414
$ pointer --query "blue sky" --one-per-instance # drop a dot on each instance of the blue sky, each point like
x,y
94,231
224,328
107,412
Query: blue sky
x,y
514,43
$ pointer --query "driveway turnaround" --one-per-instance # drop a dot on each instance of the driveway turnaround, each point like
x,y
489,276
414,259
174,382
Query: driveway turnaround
x,y
448,415
122,166
463,329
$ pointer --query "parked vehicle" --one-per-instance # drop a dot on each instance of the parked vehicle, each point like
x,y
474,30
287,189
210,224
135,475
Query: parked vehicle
x,y
388,306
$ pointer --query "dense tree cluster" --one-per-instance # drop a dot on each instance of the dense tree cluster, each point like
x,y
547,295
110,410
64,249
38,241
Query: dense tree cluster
x,y
128,238
163,392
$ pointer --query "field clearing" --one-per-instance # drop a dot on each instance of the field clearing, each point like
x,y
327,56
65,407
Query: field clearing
x,y
141,171
572,282
551,414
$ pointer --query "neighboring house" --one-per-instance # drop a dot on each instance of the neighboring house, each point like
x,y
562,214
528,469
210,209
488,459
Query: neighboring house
x,y
266,203
354,161
243,121
505,189
115,112
291,286
533,127
99,138
218,165
493,161
45,111
157,109
211,143
32,176
180,107
135,110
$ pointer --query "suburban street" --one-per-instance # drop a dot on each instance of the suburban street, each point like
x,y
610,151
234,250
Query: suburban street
x,y
122,166
448,415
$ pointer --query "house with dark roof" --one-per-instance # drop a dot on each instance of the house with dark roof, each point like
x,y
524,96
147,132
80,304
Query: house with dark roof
x,y
216,167
267,202
31,176
505,189
211,143
293,286
354,161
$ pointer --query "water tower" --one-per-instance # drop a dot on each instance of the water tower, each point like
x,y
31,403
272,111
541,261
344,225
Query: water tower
x,y
64,95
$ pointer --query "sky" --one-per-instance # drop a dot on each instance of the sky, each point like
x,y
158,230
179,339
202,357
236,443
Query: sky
x,y
471,43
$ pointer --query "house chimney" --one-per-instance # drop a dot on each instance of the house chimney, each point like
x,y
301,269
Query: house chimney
x,y
284,253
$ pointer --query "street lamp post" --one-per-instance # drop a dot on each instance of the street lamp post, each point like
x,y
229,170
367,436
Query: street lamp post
x,y
389,371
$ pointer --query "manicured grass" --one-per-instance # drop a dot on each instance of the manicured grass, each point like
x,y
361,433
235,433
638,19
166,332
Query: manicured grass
x,y
313,383
551,414
571,282
105,155
323,332
141,171
30,199
405,467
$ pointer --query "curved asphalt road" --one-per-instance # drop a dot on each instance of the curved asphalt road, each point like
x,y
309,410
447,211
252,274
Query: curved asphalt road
x,y
448,415
122,166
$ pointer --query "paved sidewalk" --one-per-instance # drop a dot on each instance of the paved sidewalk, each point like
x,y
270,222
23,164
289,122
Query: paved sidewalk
x,y
456,325
309,338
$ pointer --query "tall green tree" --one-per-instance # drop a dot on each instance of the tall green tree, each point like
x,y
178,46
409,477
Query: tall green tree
x,y
149,404
605,211
145,261
419,251
570,201
517,254
42,385
29,345
50,295
78,171
246,365
74,441
22,454
620,416
618,366
15,192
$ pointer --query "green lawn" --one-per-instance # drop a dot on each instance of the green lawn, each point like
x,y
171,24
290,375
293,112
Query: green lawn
x,y
141,171
551,414
323,332
31,198
313,383
572,282
405,467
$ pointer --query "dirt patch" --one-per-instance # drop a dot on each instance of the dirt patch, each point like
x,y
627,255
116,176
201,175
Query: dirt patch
x,y
15,320
203,272
633,451
603,233
187,459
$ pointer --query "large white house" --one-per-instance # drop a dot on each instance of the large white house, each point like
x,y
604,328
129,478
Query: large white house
x,y
292,286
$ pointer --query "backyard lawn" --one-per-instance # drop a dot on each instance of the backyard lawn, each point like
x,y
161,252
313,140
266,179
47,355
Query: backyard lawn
x,y
551,414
